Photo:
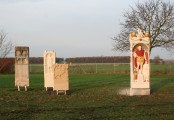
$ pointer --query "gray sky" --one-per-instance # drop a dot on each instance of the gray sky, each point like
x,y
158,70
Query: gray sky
x,y
72,28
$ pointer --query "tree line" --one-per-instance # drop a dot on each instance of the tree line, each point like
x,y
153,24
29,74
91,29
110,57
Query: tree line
x,y
101,59
39,60
7,64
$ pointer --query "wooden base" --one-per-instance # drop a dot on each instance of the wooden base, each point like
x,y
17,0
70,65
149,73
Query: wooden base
x,y
61,91
25,88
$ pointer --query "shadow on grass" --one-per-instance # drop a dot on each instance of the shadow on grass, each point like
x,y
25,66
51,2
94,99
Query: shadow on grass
x,y
160,84
49,91
60,92
22,89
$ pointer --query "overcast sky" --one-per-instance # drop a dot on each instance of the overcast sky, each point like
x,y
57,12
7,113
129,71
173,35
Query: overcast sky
x,y
72,28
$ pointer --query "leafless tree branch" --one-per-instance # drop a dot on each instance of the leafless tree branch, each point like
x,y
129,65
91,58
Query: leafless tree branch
x,y
5,45
5,48
153,16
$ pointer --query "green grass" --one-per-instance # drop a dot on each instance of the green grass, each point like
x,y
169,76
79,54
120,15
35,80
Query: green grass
x,y
91,96
106,68
99,68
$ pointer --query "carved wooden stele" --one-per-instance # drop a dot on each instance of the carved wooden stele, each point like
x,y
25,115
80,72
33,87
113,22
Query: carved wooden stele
x,y
21,67
49,60
61,79
139,63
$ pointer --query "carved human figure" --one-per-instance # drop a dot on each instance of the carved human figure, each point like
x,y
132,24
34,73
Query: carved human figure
x,y
140,33
49,62
139,58
18,53
24,53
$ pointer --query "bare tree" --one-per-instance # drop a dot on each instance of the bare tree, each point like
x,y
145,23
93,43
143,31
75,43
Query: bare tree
x,y
5,48
5,45
153,16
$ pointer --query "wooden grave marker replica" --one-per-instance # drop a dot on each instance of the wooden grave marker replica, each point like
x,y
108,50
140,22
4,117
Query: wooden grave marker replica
x,y
55,75
61,78
21,67
49,60
139,63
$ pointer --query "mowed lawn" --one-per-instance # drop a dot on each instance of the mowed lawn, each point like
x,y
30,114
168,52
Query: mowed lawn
x,y
91,97
87,68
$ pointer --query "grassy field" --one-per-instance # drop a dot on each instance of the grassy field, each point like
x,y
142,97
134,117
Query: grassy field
x,y
106,68
91,96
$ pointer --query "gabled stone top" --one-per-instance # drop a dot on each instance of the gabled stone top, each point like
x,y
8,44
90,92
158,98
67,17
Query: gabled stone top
x,y
139,36
21,48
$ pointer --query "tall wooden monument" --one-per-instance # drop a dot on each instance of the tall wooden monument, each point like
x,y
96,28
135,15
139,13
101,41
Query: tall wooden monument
x,y
139,63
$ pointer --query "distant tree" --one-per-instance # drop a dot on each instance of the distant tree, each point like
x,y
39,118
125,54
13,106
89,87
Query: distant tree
x,y
153,16
5,48
60,60
7,65
156,60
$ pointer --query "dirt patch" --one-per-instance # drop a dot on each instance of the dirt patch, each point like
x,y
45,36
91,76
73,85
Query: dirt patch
x,y
124,91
